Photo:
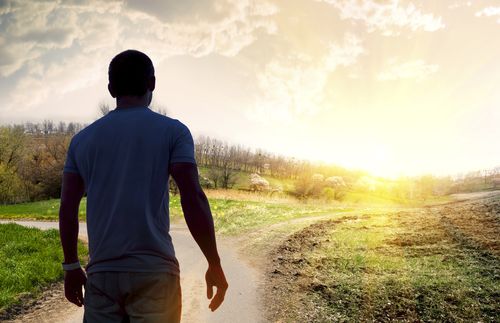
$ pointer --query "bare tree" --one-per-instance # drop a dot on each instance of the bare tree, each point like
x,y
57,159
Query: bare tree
x,y
48,127
61,127
214,174
104,108
155,106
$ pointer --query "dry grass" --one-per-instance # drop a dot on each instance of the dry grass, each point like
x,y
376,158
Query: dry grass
x,y
241,195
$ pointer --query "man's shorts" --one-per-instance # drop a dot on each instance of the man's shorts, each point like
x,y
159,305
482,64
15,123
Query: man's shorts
x,y
132,297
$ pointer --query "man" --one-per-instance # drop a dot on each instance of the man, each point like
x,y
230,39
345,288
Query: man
x,y
123,161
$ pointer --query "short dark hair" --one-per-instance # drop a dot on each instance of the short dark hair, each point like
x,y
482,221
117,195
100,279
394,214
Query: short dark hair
x,y
129,73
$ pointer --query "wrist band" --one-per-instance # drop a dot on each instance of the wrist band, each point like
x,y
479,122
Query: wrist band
x,y
71,266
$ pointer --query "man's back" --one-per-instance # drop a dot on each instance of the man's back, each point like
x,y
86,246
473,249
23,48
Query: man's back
x,y
123,159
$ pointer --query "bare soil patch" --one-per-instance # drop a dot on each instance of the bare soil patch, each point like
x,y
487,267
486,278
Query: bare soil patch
x,y
287,279
49,306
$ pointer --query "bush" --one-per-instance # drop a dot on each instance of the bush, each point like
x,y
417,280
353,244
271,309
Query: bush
x,y
11,186
258,183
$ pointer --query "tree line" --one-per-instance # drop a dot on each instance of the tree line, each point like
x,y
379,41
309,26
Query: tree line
x,y
32,157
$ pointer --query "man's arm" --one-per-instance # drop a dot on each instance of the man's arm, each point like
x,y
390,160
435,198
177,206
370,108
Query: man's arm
x,y
200,223
71,195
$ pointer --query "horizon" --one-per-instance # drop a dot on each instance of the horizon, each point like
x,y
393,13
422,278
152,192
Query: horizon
x,y
454,176
398,88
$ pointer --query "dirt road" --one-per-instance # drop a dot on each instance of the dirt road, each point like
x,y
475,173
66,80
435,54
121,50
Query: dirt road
x,y
241,302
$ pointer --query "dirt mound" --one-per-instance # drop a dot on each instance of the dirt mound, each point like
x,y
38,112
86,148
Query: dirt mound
x,y
289,282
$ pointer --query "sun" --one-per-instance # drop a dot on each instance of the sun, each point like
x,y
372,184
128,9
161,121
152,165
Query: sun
x,y
378,160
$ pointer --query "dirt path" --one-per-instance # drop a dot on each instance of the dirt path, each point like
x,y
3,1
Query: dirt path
x,y
241,302
474,195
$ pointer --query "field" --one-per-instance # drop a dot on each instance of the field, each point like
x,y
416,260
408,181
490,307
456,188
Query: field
x,y
430,264
323,262
30,259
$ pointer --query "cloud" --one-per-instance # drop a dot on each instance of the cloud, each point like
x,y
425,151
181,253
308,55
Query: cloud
x,y
388,17
294,85
489,12
418,70
460,4
51,48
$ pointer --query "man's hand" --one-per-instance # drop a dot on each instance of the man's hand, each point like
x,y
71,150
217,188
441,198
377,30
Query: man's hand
x,y
74,280
215,278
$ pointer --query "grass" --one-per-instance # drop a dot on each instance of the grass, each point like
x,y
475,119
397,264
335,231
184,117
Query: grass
x,y
403,266
30,259
233,216
232,212
47,210
372,199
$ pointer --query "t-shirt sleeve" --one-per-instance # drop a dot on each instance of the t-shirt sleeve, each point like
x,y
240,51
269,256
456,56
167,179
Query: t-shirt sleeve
x,y
183,146
70,164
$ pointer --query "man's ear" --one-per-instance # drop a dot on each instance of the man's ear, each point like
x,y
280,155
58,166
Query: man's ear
x,y
152,83
110,89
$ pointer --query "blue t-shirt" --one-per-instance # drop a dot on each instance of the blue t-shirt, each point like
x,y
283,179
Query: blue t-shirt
x,y
123,159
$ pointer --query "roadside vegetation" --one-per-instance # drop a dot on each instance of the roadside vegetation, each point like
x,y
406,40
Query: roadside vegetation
x,y
30,259
231,216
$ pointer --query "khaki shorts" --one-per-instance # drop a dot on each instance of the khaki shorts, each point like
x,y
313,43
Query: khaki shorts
x,y
132,297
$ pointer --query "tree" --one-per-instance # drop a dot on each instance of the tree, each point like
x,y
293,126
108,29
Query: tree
x,y
214,174
104,108
12,143
48,127
227,177
158,108
12,148
304,186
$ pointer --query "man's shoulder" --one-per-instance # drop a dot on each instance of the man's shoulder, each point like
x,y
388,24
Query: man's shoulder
x,y
87,130
175,125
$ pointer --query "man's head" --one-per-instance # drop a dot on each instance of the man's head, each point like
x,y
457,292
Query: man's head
x,y
131,75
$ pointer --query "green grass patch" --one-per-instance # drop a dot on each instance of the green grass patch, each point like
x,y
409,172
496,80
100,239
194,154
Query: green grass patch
x,y
230,216
30,259
39,210
234,216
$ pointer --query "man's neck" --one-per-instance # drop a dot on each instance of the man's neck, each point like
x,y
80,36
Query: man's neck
x,y
126,102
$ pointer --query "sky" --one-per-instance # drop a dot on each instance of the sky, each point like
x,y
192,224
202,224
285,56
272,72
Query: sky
x,y
392,87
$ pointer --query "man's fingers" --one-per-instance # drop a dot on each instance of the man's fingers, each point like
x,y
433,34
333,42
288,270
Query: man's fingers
x,y
73,298
210,290
80,296
218,299
215,278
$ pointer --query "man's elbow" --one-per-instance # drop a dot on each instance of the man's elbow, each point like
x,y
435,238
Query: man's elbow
x,y
68,209
193,194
